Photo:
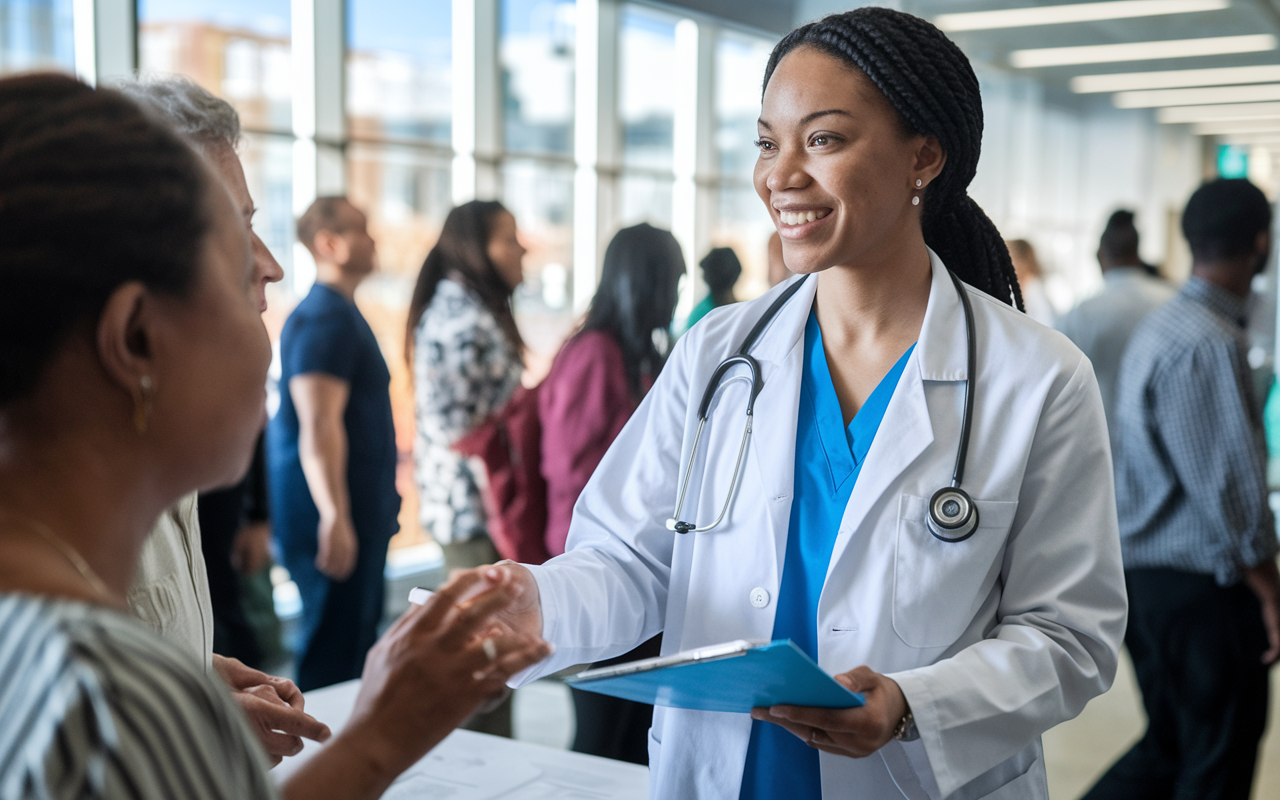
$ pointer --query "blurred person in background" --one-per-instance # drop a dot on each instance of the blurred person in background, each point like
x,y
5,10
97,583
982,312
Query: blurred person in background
x,y
1031,278
1196,533
778,271
467,357
332,452
133,362
721,270
171,591
1101,325
235,537
597,380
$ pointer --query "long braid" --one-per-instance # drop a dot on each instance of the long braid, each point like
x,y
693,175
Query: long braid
x,y
931,84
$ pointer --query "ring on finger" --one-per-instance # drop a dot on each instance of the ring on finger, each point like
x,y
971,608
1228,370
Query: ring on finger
x,y
490,649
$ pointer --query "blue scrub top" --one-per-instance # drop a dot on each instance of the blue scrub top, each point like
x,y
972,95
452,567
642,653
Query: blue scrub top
x,y
829,457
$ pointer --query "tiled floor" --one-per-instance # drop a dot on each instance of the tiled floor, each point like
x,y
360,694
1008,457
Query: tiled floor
x,y
1076,752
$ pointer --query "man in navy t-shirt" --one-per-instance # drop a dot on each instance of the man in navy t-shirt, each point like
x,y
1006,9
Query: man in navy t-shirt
x,y
332,452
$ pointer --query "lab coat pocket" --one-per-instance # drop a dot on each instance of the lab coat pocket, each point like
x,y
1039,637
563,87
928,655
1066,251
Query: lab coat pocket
x,y
938,586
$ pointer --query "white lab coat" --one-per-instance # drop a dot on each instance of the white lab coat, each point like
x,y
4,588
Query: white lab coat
x,y
993,640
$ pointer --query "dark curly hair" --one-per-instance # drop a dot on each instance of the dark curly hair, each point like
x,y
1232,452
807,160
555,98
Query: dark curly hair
x,y
93,193
932,86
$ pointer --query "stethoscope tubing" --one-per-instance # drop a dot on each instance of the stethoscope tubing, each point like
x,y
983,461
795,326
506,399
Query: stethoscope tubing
x,y
952,528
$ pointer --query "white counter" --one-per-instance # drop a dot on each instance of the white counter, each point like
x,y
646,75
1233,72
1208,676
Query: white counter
x,y
476,766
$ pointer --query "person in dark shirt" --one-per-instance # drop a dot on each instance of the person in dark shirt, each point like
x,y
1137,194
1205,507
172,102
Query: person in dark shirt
x,y
235,537
332,452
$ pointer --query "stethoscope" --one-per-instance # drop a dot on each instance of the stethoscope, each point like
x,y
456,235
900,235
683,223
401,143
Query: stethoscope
x,y
953,517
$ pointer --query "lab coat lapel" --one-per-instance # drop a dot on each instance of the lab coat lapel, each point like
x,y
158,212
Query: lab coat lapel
x,y
773,447
906,430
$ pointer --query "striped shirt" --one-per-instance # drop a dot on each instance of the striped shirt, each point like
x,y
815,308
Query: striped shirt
x,y
93,705
1190,451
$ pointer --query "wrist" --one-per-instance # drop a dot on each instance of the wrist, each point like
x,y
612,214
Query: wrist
x,y
374,751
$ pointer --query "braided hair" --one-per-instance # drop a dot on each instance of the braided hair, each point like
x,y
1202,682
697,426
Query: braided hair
x,y
93,193
930,83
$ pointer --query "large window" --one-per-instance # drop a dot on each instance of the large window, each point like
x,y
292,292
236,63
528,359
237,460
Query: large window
x,y
240,51
741,220
537,60
36,34
399,69
237,49
647,69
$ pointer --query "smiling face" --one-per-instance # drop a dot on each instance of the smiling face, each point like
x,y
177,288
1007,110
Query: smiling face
x,y
836,169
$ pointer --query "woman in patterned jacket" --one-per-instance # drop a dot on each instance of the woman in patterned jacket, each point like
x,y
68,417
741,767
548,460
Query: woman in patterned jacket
x,y
465,350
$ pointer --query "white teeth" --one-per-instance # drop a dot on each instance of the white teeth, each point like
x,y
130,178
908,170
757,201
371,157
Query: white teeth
x,y
801,217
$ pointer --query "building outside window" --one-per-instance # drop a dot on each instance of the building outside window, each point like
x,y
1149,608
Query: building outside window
x,y
647,69
537,71
240,51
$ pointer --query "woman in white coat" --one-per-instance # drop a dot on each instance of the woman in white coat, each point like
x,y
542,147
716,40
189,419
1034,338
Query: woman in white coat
x,y
965,650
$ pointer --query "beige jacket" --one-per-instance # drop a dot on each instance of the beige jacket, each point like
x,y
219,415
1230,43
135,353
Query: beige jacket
x,y
170,590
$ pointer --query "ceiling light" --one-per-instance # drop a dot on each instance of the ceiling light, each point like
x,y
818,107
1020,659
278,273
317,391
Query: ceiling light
x,y
1174,78
1075,12
1230,111
1197,97
1240,126
1142,51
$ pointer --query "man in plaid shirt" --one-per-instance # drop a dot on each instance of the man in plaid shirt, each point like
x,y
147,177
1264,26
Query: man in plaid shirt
x,y
1197,534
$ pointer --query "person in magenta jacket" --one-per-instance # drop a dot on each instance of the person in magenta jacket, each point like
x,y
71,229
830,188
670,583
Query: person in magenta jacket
x,y
597,380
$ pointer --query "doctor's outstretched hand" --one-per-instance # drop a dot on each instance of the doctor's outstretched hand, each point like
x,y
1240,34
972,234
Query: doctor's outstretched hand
x,y
853,732
524,614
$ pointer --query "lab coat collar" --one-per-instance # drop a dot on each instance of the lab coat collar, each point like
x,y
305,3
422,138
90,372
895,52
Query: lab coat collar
x,y
786,331
942,350
941,353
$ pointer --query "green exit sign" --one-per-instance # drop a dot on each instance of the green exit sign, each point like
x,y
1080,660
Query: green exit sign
x,y
1233,161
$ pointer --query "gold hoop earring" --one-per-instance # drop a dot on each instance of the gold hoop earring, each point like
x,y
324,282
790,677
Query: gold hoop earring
x,y
142,405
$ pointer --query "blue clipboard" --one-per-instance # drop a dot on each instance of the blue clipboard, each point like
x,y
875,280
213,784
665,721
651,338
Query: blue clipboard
x,y
735,676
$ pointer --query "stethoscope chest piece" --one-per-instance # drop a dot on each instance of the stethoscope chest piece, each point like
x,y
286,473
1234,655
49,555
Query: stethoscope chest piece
x,y
952,515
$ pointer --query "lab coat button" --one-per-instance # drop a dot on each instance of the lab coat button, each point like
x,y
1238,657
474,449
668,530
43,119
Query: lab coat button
x,y
759,597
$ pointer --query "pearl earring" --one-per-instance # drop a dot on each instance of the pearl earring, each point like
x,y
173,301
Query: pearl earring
x,y
915,201
919,183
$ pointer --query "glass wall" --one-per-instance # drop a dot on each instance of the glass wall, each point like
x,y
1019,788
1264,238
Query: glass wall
x,y
537,62
399,69
397,148
239,50
741,220
36,34
536,55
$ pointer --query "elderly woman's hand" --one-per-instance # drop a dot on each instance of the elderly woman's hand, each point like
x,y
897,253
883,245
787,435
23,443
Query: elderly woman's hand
x,y
438,663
